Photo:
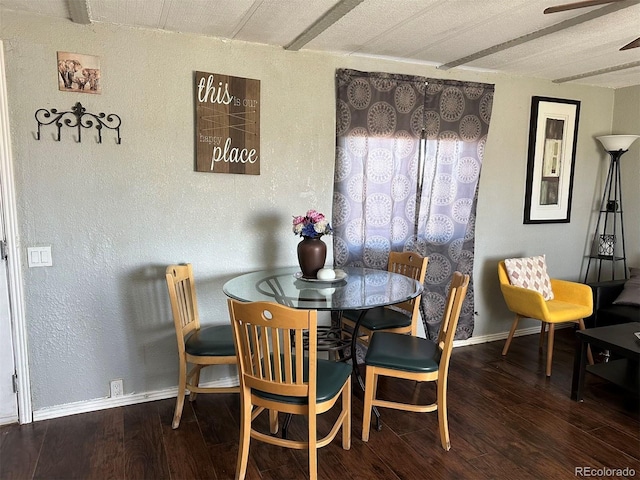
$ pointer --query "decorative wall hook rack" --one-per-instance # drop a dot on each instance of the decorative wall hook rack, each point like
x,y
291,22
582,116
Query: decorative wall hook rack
x,y
79,118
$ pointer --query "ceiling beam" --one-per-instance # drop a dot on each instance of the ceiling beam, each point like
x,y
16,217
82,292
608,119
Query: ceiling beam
x,y
624,66
572,6
79,10
164,15
572,22
338,11
246,17
632,44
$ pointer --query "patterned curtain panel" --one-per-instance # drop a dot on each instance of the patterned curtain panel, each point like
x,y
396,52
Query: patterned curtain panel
x,y
408,157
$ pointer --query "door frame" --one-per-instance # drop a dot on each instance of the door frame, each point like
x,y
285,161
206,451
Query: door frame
x,y
16,290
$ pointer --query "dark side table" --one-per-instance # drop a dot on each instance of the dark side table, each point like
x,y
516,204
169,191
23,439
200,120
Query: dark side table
x,y
621,342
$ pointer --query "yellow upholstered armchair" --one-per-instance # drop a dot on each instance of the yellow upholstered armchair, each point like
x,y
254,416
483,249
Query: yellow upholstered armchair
x,y
571,302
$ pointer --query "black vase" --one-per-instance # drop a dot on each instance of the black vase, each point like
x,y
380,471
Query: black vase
x,y
312,253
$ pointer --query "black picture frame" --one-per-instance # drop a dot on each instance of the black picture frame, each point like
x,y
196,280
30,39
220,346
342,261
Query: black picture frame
x,y
553,137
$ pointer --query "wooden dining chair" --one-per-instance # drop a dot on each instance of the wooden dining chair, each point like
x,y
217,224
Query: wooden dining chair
x,y
399,318
414,358
276,375
198,346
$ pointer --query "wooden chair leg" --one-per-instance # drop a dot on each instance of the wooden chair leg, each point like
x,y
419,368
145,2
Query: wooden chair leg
x,y
415,396
346,424
273,421
589,354
195,382
313,446
245,435
182,386
542,331
443,423
369,390
550,348
510,337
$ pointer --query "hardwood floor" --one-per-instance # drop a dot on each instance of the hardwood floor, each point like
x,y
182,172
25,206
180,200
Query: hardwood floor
x,y
506,421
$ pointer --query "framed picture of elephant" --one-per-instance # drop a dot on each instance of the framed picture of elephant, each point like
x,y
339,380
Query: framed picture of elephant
x,y
79,73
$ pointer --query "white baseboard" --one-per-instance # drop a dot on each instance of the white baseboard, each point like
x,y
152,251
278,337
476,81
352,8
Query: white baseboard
x,y
494,336
503,335
134,398
128,399
8,419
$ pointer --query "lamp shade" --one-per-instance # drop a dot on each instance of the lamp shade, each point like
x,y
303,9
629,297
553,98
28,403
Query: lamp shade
x,y
613,143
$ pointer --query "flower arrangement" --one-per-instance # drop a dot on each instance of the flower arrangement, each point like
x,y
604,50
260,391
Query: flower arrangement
x,y
313,225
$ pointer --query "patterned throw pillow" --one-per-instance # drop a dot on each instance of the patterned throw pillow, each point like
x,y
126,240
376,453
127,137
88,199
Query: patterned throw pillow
x,y
531,273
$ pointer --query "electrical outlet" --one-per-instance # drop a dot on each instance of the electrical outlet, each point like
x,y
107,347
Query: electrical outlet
x,y
116,388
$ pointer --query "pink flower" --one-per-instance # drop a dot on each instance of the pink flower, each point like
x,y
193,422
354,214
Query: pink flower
x,y
313,224
315,216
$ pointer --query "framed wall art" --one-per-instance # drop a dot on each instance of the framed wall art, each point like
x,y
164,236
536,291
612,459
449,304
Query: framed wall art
x,y
553,134
227,124
79,73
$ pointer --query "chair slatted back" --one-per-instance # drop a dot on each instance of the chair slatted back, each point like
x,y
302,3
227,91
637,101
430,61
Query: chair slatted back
x,y
450,317
410,265
182,296
270,341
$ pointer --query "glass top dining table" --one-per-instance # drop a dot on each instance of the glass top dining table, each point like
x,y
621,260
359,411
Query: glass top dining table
x,y
356,288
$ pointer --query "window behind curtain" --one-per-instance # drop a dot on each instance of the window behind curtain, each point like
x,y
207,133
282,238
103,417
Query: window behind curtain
x,y
408,156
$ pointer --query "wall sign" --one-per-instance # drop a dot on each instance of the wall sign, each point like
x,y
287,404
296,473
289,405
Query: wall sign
x,y
227,124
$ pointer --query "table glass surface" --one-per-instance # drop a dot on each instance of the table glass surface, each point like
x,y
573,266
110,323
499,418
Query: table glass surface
x,y
362,288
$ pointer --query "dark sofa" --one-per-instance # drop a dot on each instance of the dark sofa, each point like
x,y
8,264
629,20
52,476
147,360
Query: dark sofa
x,y
605,312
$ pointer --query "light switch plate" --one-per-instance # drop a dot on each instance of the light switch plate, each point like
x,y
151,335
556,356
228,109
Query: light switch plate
x,y
39,256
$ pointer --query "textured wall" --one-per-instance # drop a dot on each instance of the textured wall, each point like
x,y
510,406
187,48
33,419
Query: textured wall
x,y
626,120
116,215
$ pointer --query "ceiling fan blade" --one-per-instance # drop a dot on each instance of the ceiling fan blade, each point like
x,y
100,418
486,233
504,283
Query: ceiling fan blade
x,y
633,44
573,6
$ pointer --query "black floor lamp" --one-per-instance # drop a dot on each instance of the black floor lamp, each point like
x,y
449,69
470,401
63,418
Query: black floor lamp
x,y
610,216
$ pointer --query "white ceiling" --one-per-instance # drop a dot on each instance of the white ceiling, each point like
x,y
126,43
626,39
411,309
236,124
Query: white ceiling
x,y
434,32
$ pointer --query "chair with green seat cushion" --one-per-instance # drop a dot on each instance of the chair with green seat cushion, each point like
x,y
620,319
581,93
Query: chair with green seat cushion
x,y
330,379
404,352
414,358
198,346
276,375
216,340
400,318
